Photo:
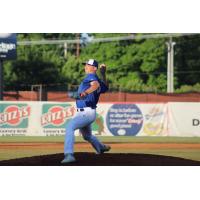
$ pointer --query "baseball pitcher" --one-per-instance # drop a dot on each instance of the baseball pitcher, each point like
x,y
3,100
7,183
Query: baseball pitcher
x,y
87,98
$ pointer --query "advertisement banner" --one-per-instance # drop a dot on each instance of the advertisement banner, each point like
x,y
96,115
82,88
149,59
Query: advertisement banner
x,y
54,117
8,45
14,118
134,119
118,119
184,119
155,119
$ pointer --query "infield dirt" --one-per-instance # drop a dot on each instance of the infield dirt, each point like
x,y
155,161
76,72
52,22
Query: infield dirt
x,y
91,159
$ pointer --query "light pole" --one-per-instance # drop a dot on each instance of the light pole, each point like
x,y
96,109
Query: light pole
x,y
170,66
65,50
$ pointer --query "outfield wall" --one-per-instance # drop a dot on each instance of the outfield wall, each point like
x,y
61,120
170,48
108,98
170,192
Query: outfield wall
x,y
63,96
113,119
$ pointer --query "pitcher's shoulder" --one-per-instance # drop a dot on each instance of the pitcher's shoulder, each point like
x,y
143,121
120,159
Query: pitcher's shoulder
x,y
91,77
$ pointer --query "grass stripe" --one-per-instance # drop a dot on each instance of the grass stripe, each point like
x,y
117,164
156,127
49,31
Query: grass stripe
x,y
122,139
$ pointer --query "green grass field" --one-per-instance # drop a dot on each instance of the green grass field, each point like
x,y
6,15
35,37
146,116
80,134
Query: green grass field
x,y
193,154
124,139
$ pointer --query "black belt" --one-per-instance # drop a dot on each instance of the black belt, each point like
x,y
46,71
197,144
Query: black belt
x,y
82,109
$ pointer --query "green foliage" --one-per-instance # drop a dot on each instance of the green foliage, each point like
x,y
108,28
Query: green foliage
x,y
189,88
132,65
73,70
131,82
152,54
187,60
126,59
41,64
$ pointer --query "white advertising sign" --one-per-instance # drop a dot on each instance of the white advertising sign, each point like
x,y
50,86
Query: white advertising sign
x,y
184,119
118,119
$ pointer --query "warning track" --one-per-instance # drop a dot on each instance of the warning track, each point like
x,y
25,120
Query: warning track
x,y
83,145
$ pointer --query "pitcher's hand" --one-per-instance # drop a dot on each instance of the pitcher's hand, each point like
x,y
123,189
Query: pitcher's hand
x,y
102,69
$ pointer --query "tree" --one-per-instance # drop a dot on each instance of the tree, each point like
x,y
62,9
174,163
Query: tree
x,y
133,65
187,60
36,64
125,58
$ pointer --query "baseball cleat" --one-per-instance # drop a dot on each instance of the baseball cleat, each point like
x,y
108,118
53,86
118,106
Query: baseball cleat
x,y
105,149
69,158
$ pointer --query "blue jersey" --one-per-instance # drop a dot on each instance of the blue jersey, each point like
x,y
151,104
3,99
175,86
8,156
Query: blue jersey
x,y
91,99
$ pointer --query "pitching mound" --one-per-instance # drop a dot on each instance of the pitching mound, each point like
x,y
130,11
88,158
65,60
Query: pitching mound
x,y
92,159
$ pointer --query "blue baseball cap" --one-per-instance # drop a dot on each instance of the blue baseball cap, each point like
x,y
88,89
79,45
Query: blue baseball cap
x,y
91,62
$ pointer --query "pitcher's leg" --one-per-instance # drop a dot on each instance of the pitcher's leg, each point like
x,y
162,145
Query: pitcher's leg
x,y
79,121
69,138
87,135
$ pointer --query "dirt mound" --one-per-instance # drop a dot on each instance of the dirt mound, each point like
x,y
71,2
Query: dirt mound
x,y
92,159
